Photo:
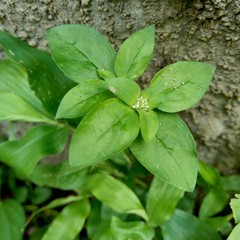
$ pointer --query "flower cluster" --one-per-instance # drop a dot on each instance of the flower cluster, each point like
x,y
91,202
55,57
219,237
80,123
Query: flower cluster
x,y
141,104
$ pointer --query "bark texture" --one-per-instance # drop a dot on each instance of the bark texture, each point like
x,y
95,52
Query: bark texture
x,y
198,30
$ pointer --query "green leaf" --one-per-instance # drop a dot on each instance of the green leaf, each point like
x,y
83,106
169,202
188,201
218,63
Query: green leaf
x,y
184,226
171,154
61,176
23,154
45,78
135,230
235,206
80,99
69,222
162,199
149,124
231,183
135,54
213,202
115,194
234,235
209,174
179,86
12,219
125,89
80,50
109,128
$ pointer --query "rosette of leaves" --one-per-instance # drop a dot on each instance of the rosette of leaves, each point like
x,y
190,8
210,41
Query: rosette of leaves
x,y
117,114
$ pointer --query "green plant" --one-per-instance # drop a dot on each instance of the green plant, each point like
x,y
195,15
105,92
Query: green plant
x,y
90,95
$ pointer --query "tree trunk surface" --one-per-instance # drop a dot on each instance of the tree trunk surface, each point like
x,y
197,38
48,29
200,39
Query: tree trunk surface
x,y
206,31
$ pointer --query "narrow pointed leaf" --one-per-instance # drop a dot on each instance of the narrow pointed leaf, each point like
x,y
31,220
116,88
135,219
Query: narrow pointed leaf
x,y
149,124
125,89
213,203
69,222
80,99
115,194
135,54
45,78
109,128
179,86
23,154
171,154
161,201
12,219
80,51
184,226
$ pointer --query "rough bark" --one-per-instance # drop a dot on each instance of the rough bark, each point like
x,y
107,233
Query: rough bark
x,y
207,30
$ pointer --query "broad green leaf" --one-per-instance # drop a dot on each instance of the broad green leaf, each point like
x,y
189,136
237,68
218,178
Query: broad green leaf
x,y
135,53
231,183
61,176
125,89
109,128
234,235
235,206
69,222
209,174
12,219
149,124
80,51
213,202
45,78
23,154
80,99
171,154
135,230
55,203
179,86
162,199
115,194
184,226
105,74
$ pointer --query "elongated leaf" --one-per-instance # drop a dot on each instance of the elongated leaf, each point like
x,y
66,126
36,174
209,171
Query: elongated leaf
x,y
235,205
125,89
161,201
171,154
12,220
135,54
115,194
149,124
184,226
109,128
213,202
23,154
80,99
231,183
61,176
79,51
48,82
179,86
69,222
235,233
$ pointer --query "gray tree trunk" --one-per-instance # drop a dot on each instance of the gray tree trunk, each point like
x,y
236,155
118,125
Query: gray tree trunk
x,y
207,30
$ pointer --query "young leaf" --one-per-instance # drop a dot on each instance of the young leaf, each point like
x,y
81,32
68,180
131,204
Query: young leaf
x,y
80,51
235,205
234,235
161,201
12,220
23,154
125,89
112,192
45,78
213,202
69,222
80,99
179,86
149,124
171,154
135,54
109,128
184,226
